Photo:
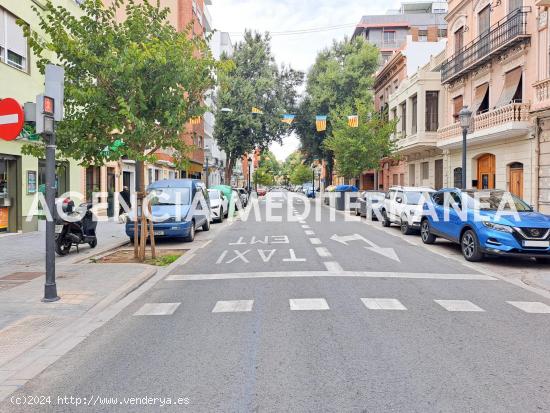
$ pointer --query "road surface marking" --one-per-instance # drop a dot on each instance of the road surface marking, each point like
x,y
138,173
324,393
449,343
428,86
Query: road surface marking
x,y
533,307
239,242
305,226
234,306
323,252
333,266
222,256
239,255
293,257
302,222
309,232
383,304
319,273
308,304
315,241
458,305
157,309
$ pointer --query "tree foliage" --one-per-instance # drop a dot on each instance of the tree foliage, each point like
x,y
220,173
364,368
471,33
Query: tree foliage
x,y
357,149
341,76
268,169
300,173
254,81
137,82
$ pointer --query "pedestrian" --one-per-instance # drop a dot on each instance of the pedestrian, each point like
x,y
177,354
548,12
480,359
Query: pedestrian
x,y
124,199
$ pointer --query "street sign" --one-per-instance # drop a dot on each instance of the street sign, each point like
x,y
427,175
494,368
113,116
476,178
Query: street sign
x,y
11,119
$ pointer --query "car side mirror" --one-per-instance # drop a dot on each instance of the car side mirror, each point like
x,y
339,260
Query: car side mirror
x,y
398,199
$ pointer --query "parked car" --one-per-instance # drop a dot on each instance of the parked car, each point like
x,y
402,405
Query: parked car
x,y
219,204
475,224
261,191
403,207
369,203
173,199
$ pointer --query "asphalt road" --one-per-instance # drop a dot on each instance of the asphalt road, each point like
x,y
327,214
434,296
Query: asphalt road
x,y
319,315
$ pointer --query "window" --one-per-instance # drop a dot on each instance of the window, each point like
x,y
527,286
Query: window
x,y
514,5
484,21
422,35
432,111
401,179
425,170
404,119
442,33
395,179
389,37
459,39
414,103
457,177
458,103
13,44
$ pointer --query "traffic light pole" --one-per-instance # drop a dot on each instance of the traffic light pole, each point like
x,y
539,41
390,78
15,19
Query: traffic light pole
x,y
50,288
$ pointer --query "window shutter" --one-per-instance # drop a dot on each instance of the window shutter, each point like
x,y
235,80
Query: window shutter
x,y
511,83
2,28
16,41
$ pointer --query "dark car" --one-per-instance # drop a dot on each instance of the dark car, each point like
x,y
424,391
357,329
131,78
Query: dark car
x,y
175,206
368,204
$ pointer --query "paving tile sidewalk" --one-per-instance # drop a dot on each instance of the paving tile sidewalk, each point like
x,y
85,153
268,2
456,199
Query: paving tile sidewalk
x,y
34,334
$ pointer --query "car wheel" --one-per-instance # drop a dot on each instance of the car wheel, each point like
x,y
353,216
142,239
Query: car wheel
x,y
206,225
543,260
62,248
93,243
385,220
425,234
357,212
220,219
469,244
191,236
405,227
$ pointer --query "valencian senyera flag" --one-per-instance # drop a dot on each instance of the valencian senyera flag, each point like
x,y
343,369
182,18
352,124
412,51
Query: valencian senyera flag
x,y
353,121
196,120
321,122
287,118
258,111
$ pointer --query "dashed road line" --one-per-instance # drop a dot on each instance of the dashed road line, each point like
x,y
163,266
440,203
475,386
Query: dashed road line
x,y
308,304
315,241
323,252
458,305
309,232
158,309
333,266
383,304
532,307
233,306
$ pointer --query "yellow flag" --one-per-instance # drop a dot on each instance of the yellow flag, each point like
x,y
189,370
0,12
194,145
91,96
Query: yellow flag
x,y
353,121
196,120
258,111
321,123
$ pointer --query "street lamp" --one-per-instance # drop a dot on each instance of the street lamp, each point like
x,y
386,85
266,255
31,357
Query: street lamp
x,y
249,181
464,117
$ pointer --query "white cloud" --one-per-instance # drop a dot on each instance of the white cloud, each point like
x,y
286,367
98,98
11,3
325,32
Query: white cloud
x,y
299,51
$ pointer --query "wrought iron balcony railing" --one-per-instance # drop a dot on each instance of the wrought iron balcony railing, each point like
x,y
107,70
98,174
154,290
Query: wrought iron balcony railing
x,y
501,36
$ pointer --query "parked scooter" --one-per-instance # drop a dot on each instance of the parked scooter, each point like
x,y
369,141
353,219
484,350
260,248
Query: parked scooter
x,y
81,229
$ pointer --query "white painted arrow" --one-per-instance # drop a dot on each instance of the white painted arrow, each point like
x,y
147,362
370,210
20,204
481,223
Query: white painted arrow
x,y
386,252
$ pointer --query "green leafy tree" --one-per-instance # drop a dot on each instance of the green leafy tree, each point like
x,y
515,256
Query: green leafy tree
x,y
341,76
300,173
254,81
130,86
262,176
357,149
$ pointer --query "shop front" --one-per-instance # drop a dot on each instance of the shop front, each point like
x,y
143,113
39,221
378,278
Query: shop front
x,y
9,193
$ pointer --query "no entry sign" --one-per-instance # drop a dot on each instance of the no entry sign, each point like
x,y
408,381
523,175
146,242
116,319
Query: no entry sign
x,y
11,119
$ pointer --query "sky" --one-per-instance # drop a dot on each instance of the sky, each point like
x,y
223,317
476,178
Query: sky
x,y
299,51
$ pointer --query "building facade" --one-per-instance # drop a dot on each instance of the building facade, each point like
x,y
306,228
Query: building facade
x,y
22,176
491,67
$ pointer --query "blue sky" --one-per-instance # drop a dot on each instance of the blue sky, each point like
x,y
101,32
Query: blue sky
x,y
299,51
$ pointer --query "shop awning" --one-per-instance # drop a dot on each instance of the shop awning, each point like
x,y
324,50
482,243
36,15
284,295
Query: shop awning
x,y
511,83
481,92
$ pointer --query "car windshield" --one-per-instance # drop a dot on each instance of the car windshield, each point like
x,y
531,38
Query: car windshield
x,y
213,194
170,196
496,200
413,197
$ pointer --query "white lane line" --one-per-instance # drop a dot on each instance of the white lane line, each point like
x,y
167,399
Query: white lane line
x,y
357,274
302,222
305,226
157,309
333,266
458,305
315,241
309,232
323,252
532,307
383,304
233,306
308,304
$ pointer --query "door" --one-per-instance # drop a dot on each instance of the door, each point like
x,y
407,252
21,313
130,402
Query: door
x,y
486,172
127,180
516,181
438,173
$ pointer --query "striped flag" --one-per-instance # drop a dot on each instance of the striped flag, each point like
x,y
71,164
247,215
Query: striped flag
x,y
258,111
287,118
321,122
196,120
353,121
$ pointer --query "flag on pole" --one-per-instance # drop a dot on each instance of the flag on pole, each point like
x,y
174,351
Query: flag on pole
x,y
258,111
321,122
287,118
353,121
196,120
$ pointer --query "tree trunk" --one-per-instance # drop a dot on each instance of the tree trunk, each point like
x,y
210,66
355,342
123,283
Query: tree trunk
x,y
229,168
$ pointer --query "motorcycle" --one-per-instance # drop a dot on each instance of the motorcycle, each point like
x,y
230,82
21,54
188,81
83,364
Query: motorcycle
x,y
80,229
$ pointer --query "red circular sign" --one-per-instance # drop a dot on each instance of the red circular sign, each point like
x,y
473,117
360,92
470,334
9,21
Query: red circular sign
x,y
11,119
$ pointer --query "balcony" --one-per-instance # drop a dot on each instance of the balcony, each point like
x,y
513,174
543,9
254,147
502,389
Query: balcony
x,y
500,123
503,35
542,95
417,142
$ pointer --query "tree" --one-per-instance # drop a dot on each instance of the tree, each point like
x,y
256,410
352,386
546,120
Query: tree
x,y
341,76
254,81
300,173
130,87
357,149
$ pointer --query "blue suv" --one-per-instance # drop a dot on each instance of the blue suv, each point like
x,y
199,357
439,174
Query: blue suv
x,y
491,222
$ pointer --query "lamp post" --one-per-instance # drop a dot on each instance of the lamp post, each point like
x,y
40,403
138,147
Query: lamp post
x,y
249,180
464,116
